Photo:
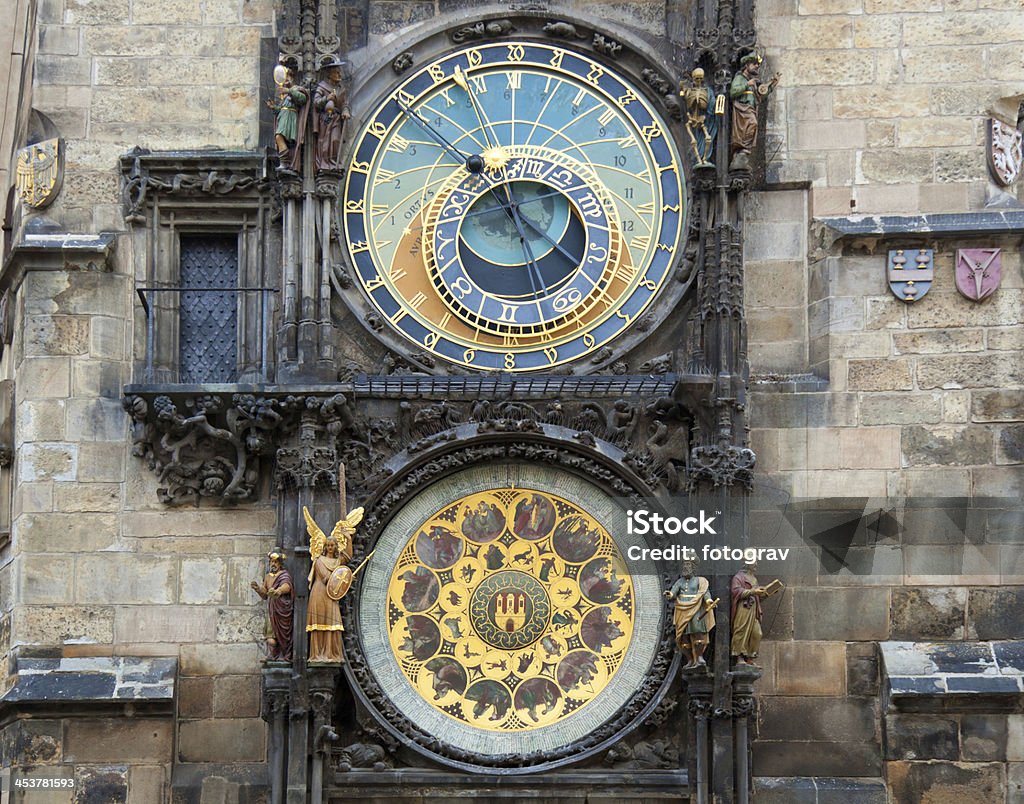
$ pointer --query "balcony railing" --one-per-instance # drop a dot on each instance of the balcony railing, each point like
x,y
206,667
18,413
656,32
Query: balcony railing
x,y
257,325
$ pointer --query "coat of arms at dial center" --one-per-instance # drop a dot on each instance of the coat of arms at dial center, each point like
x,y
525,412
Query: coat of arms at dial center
x,y
510,609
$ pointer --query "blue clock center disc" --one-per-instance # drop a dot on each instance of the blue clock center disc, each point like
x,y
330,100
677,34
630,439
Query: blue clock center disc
x,y
492,235
494,254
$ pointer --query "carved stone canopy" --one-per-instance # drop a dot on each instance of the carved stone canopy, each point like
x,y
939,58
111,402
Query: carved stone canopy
x,y
218,441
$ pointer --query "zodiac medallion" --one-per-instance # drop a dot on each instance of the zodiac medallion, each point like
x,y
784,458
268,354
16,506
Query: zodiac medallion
x,y
510,609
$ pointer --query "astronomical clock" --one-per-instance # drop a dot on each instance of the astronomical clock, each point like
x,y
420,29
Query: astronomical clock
x,y
510,309
513,206
500,617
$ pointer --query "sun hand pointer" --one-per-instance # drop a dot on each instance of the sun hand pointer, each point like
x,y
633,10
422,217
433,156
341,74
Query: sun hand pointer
x,y
495,156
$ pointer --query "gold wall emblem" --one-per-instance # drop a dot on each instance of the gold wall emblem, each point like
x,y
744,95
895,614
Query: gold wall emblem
x,y
40,171
510,610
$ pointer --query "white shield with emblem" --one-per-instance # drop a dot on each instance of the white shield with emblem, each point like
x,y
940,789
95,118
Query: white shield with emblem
x,y
1005,152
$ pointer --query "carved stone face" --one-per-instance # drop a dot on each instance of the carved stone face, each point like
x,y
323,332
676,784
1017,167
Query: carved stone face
x,y
331,547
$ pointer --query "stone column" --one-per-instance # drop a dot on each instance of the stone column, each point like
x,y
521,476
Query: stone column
x,y
699,686
743,679
276,684
323,680
306,474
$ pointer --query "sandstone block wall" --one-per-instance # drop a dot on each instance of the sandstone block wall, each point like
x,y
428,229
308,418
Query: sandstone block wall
x,y
162,75
882,105
877,405
96,566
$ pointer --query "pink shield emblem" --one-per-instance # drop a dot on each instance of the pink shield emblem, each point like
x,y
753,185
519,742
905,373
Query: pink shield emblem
x,y
978,272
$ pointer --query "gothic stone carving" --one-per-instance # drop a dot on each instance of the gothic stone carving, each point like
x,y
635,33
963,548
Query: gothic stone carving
x,y
218,445
144,174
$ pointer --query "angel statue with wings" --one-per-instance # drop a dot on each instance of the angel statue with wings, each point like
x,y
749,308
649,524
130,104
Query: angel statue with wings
x,y
329,581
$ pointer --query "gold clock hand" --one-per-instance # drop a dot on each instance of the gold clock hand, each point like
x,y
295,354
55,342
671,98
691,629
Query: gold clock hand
x,y
473,163
463,83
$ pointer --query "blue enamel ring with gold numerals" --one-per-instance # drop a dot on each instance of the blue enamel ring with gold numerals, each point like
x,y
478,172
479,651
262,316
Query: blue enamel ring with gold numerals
x,y
469,207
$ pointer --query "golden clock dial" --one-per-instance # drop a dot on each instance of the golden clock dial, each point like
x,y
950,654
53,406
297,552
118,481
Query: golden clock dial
x,y
510,609
513,206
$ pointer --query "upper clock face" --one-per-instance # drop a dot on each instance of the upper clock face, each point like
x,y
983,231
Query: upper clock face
x,y
513,206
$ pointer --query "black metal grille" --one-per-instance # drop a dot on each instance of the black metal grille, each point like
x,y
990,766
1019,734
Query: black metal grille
x,y
507,386
209,320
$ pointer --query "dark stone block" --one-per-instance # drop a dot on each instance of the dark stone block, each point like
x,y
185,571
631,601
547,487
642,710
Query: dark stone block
x,y
38,742
150,671
1009,655
995,613
861,668
921,737
970,223
983,737
827,719
849,614
99,785
785,790
915,685
928,613
1011,443
850,791
962,657
993,684
818,758
63,687
946,782
968,446
997,406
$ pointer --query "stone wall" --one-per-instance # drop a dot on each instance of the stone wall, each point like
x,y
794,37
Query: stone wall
x,y
883,429
97,567
883,103
162,75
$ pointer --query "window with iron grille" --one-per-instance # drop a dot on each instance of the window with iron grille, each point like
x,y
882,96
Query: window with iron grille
x,y
208,331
